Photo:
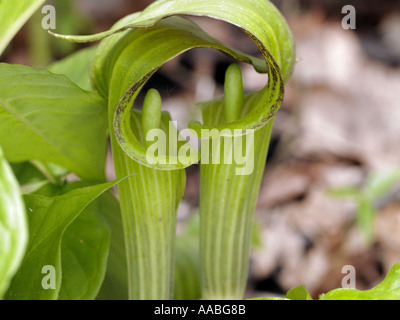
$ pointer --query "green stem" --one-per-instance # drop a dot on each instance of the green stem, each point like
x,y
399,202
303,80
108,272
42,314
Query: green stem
x,y
149,202
39,42
227,203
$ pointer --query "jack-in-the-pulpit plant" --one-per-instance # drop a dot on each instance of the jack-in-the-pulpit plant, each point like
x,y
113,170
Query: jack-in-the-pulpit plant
x,y
76,240
227,196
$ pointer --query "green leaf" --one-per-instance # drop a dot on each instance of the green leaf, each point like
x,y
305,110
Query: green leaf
x,y
115,284
54,173
26,172
388,289
84,253
76,67
365,217
52,120
298,293
13,227
259,18
256,236
49,217
85,246
13,15
34,187
379,183
344,192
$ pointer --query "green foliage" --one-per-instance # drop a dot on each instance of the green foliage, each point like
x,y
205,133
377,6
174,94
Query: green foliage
x,y
118,73
377,185
29,177
52,124
13,15
13,227
84,251
76,67
388,289
41,131
298,293
70,19
254,16
115,284
48,219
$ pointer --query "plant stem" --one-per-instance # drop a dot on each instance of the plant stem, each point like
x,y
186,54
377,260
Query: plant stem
x,y
149,202
39,42
227,203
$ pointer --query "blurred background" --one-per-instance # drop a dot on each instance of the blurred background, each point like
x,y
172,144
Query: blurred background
x,y
330,194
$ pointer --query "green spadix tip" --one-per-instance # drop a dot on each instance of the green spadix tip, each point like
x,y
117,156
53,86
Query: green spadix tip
x,y
233,93
151,113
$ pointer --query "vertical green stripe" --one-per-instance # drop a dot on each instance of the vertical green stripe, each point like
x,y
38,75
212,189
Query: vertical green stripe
x,y
227,203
